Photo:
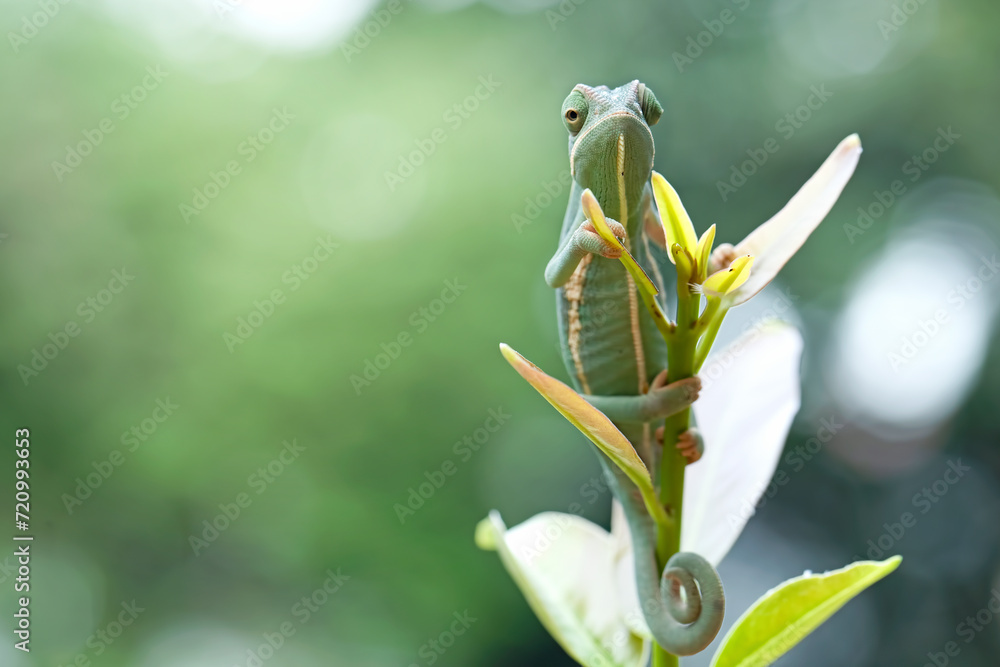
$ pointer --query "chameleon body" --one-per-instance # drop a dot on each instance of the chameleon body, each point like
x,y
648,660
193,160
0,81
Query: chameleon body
x,y
614,353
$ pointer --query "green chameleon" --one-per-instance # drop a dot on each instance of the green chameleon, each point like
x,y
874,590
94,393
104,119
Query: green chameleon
x,y
614,352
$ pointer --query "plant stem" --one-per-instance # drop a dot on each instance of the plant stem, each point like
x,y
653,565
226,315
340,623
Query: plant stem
x,y
680,362
681,353
711,331
661,658
672,478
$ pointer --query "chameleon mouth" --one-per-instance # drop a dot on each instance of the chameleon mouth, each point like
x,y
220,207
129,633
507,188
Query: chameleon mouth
x,y
625,128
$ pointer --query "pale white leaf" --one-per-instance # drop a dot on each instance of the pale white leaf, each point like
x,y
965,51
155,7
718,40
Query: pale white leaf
x,y
565,567
775,241
750,396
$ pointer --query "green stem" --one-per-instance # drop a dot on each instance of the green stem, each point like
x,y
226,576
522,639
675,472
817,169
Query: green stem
x,y
708,315
680,362
663,658
711,332
672,466
681,354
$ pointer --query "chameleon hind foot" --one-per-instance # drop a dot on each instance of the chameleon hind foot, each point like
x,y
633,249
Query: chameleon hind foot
x,y
690,444
669,399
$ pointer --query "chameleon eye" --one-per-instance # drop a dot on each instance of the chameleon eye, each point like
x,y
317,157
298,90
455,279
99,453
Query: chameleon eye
x,y
575,111
650,106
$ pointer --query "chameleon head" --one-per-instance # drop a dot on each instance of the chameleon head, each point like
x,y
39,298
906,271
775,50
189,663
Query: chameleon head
x,y
610,143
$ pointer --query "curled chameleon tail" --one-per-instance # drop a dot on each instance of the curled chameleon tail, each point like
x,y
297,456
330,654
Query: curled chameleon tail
x,y
683,623
685,605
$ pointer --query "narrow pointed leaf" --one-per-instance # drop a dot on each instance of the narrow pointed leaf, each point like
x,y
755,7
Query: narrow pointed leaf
x,y
704,251
775,241
743,265
592,209
728,280
647,291
564,566
676,222
591,421
785,615
684,262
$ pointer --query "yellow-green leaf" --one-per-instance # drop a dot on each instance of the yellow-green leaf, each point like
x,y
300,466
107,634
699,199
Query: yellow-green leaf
x,y
727,280
704,251
677,224
592,209
592,422
680,256
785,615
647,291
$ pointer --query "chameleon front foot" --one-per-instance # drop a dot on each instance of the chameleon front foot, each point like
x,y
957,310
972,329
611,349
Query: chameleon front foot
x,y
584,241
690,444
589,240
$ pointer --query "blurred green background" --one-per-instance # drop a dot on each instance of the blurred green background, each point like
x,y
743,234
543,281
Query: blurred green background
x,y
276,342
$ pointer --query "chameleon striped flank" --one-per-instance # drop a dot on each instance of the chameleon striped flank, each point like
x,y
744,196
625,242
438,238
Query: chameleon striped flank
x,y
574,294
